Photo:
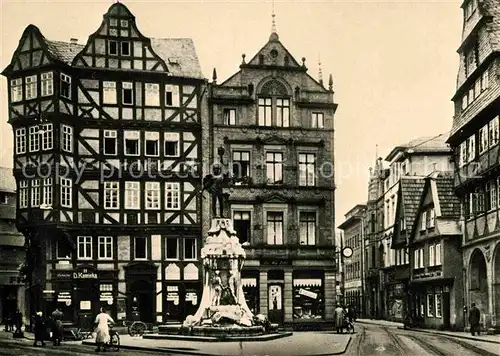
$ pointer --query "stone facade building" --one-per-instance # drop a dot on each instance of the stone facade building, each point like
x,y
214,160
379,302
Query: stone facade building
x,y
474,138
354,271
12,252
275,123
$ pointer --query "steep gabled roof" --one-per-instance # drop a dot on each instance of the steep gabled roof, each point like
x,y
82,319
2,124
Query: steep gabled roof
x,y
64,52
411,189
449,204
180,56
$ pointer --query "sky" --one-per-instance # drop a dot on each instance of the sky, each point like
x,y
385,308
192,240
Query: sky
x,y
394,62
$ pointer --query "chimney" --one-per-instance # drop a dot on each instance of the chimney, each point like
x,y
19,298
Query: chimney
x,y
73,41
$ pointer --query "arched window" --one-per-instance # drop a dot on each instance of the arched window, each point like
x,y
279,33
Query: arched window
x,y
274,105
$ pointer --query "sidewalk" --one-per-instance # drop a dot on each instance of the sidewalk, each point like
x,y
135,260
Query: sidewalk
x,y
495,339
299,344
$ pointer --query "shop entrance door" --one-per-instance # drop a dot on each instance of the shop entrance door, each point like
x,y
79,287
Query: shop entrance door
x,y
143,295
275,303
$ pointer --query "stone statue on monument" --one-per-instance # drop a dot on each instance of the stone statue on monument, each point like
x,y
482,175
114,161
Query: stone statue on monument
x,y
215,184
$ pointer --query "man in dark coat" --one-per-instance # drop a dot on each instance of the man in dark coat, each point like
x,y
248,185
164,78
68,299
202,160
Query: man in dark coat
x,y
474,318
57,328
40,329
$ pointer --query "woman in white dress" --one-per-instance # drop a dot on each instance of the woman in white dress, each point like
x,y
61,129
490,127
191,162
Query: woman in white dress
x,y
102,337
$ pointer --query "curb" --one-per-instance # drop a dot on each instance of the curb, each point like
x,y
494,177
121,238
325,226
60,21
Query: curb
x,y
187,352
399,325
457,336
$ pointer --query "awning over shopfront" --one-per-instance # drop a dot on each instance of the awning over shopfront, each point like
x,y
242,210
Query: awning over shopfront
x,y
249,282
307,282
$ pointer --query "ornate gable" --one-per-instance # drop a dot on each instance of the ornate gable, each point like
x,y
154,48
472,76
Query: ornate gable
x,y
119,44
274,54
32,52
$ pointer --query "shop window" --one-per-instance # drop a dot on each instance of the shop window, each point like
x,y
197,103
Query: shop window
x,y
430,305
438,306
308,298
242,224
140,248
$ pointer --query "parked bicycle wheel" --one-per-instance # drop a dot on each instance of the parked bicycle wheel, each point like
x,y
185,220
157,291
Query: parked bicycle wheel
x,y
114,342
138,328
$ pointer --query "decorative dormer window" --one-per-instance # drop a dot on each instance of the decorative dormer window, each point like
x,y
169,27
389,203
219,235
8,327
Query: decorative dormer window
x,y
274,105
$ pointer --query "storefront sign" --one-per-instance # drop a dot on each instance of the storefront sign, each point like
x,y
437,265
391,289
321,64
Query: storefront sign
x,y
84,274
85,305
273,262
64,297
307,293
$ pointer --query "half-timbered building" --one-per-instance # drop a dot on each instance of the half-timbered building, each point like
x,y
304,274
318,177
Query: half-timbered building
x,y
474,137
107,147
275,123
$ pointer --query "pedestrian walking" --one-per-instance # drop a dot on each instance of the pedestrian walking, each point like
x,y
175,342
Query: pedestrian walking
x,y
102,337
474,318
40,329
57,327
339,319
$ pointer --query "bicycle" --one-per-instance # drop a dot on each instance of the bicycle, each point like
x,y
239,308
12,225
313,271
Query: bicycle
x,y
137,328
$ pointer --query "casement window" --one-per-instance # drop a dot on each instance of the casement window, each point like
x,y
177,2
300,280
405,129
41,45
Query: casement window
x,y
485,82
127,93
437,251
109,93
438,304
21,140
172,196
265,111
31,87
105,247
274,167
432,256
317,120
430,305
241,165
113,48
151,143
152,94
229,116
84,247
493,133
172,144
282,112
418,255
483,139
63,250
35,192
23,194
110,142
463,157
275,228
65,86
16,90
493,194
124,23
140,248
172,95
131,139
132,195
423,221
152,195
111,195
47,132
125,48
47,192
47,84
432,217
67,138
172,248
307,227
190,252
471,147
307,169
34,138
242,225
